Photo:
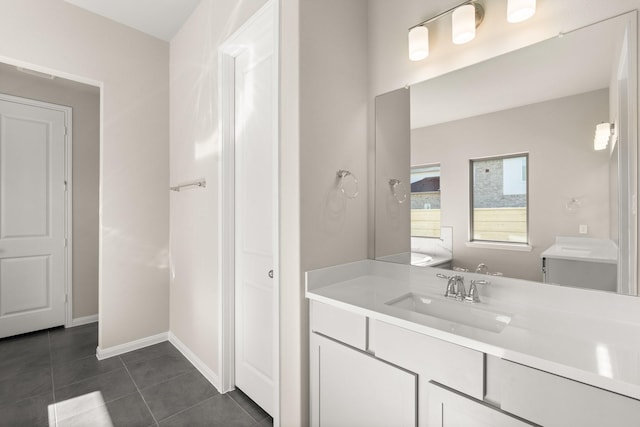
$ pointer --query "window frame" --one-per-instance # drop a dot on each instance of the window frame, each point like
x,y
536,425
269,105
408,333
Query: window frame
x,y
426,165
502,243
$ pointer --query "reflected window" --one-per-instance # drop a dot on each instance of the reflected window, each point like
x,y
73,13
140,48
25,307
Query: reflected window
x,y
499,198
425,201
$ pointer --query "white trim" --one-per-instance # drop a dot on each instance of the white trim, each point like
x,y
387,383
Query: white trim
x,y
68,205
518,247
117,350
195,361
79,321
226,55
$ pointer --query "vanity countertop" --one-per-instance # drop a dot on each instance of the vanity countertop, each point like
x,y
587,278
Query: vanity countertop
x,y
551,328
583,249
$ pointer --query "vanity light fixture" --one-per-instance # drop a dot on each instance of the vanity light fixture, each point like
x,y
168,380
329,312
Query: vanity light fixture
x,y
465,18
463,24
602,136
418,43
520,10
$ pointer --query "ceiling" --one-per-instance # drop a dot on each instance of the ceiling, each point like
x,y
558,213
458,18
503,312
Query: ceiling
x,y
159,18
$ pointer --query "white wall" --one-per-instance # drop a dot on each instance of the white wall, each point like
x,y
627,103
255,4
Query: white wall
x,y
133,69
333,135
194,149
85,101
558,135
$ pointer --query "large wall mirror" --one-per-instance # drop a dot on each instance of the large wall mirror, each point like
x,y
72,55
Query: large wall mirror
x,y
494,168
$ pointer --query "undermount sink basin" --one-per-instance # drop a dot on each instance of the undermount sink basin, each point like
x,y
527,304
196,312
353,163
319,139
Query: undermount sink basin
x,y
453,311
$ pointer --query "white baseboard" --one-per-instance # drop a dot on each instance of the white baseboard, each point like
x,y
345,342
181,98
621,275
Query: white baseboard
x,y
116,350
211,376
79,321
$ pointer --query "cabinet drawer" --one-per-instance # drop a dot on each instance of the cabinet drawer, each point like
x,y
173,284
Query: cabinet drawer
x,y
448,408
551,400
341,325
452,365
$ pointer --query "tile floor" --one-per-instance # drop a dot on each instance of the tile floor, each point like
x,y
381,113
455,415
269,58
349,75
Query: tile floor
x,y
52,378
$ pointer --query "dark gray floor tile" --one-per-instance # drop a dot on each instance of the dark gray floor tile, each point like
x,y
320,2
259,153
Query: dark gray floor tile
x,y
127,411
73,344
34,411
248,405
27,384
146,373
62,334
71,372
219,410
16,346
179,393
92,392
29,361
151,352
23,353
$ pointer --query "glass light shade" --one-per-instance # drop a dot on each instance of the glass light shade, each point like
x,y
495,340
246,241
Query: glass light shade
x,y
520,10
463,24
418,43
601,139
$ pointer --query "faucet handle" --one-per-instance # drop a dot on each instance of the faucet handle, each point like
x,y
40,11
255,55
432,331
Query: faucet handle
x,y
461,293
473,296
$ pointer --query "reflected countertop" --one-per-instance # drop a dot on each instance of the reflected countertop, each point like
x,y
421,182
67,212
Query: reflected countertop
x,y
588,336
583,249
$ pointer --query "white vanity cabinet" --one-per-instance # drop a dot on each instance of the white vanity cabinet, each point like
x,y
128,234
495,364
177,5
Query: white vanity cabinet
x,y
352,388
370,372
448,408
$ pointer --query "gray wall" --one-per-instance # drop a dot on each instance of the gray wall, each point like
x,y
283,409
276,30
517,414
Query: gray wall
x,y
392,140
85,101
558,135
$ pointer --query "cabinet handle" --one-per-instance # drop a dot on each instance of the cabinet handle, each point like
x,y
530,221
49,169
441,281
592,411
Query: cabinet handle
x,y
270,274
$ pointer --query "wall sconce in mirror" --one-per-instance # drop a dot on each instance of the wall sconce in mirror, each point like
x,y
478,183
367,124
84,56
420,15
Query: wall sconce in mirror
x,y
603,134
394,184
465,18
348,183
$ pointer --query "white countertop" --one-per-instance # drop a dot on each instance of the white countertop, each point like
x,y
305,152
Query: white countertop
x,y
552,328
583,249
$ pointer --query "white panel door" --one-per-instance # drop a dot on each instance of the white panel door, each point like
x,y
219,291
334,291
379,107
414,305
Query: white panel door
x,y
254,215
32,217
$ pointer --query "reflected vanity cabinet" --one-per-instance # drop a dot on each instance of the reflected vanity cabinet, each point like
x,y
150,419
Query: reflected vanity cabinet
x,y
366,372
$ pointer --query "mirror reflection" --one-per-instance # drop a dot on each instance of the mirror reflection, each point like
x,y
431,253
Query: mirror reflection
x,y
503,169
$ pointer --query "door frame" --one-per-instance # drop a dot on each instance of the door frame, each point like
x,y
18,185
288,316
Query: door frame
x,y
227,52
68,174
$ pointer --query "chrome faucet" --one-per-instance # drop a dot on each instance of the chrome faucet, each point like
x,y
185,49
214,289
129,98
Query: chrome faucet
x,y
461,293
473,296
482,268
455,288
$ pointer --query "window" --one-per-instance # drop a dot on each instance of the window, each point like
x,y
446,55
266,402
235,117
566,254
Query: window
x,y
425,201
499,199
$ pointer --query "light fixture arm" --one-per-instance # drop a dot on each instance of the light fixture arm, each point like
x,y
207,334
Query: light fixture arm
x,y
479,13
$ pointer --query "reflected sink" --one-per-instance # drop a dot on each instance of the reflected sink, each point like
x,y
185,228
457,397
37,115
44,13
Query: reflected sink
x,y
454,311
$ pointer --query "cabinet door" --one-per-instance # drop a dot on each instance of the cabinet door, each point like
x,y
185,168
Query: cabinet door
x,y
352,388
450,409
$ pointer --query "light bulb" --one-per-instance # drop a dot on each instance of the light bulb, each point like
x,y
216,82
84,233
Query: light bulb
x,y
418,43
463,24
520,10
